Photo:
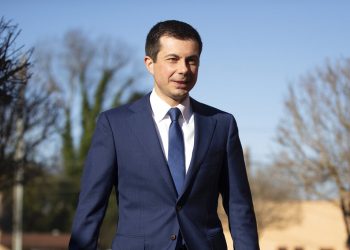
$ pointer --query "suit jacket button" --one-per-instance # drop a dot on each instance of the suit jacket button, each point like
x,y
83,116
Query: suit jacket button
x,y
178,207
173,237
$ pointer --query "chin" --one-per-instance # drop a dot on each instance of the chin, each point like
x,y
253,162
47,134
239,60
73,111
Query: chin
x,y
181,93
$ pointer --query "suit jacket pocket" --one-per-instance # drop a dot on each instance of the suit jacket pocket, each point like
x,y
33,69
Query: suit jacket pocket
x,y
128,242
217,241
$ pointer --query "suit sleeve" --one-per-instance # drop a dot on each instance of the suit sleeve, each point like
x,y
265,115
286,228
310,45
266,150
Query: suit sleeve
x,y
97,181
236,194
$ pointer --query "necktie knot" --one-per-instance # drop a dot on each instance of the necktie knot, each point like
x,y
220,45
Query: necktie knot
x,y
174,114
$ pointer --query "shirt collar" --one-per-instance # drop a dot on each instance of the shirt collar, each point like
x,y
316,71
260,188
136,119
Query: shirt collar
x,y
160,108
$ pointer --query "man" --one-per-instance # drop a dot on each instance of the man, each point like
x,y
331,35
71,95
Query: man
x,y
169,157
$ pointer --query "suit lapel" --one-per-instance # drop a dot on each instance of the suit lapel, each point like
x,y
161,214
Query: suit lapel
x,y
204,130
143,126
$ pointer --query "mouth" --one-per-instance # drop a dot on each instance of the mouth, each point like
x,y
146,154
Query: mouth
x,y
181,82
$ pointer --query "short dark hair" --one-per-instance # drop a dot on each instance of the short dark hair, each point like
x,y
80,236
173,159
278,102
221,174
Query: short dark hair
x,y
171,28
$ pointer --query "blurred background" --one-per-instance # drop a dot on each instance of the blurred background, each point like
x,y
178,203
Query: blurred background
x,y
282,68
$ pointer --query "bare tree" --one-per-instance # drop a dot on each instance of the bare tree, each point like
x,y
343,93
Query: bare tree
x,y
13,62
273,195
314,135
22,99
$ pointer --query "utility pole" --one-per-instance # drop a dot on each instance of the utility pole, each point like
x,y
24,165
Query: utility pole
x,y
17,207
19,172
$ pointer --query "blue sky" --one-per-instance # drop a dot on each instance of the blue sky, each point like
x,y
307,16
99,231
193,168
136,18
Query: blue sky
x,y
252,49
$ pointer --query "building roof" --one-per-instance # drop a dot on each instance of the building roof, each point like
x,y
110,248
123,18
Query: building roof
x,y
38,241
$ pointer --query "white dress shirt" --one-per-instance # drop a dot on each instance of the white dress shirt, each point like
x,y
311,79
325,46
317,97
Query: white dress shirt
x,y
162,120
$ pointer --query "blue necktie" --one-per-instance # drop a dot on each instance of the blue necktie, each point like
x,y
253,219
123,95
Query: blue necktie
x,y
176,152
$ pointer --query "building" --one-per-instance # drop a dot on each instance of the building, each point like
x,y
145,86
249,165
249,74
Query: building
x,y
319,227
37,241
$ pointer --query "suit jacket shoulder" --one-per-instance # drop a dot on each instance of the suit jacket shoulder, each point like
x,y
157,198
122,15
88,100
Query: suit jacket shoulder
x,y
210,111
126,110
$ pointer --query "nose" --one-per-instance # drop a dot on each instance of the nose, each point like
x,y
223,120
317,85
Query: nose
x,y
183,67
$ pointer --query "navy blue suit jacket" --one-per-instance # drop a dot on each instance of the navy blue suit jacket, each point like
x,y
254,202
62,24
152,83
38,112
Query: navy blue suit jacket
x,y
126,153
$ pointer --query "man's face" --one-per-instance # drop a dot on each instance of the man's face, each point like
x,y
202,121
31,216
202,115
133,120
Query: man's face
x,y
176,69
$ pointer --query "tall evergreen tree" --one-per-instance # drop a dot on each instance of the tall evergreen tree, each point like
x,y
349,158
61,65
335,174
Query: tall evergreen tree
x,y
91,76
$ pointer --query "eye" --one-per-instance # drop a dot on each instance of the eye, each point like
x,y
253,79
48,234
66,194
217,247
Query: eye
x,y
192,61
172,59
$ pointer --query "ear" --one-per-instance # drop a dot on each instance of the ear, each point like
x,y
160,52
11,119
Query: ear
x,y
149,64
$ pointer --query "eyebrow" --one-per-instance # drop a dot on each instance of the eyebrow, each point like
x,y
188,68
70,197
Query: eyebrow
x,y
171,55
189,57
